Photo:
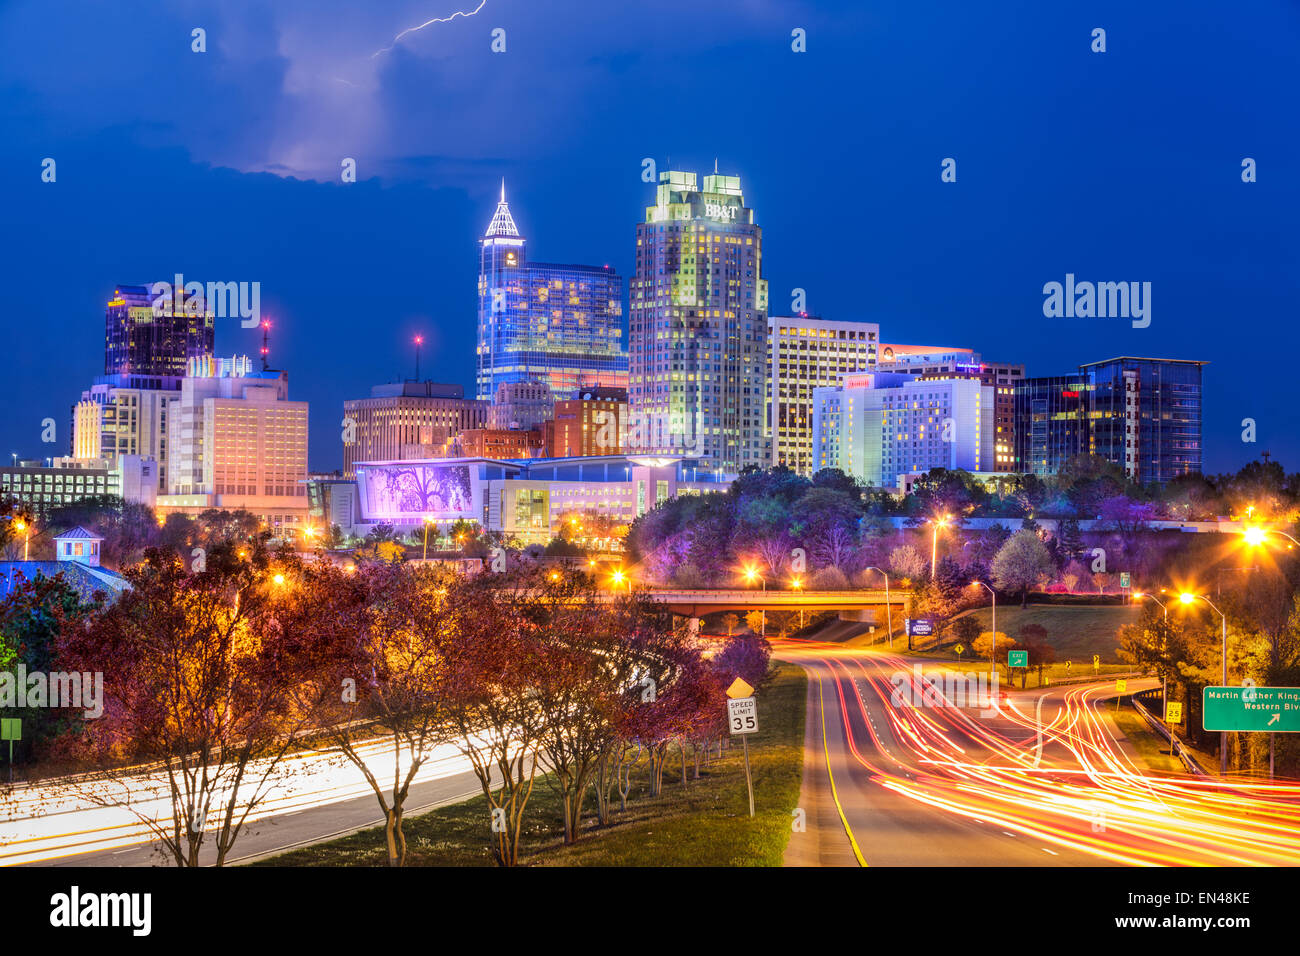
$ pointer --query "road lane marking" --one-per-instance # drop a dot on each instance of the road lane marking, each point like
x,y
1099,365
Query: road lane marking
x,y
857,853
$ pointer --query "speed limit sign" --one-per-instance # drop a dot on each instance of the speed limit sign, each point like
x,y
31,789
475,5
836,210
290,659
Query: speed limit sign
x,y
742,716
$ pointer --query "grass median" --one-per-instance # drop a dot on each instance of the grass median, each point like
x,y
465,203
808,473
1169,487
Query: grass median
x,y
703,822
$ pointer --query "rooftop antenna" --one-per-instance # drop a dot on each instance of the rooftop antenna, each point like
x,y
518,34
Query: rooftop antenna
x,y
715,165
266,343
419,339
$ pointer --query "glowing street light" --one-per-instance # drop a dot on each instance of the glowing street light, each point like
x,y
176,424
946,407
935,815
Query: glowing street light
x,y
427,521
993,641
940,522
797,584
889,609
25,530
1188,598
1257,537
751,574
278,579
1164,680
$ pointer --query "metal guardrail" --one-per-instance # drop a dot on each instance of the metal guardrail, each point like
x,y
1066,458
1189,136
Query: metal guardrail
x,y
1180,751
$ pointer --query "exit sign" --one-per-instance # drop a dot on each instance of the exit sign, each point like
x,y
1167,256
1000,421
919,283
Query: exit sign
x,y
1017,658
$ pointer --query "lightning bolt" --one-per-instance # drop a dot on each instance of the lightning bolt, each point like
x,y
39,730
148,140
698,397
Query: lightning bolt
x,y
426,23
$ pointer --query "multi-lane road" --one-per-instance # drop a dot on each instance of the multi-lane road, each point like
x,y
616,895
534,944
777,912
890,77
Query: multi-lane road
x,y
895,775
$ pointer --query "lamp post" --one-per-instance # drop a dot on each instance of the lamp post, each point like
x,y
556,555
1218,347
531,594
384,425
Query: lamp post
x,y
1188,598
993,649
889,609
797,584
427,521
940,522
25,528
1164,678
750,575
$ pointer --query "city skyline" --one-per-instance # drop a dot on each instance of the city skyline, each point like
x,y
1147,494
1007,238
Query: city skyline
x,y
961,263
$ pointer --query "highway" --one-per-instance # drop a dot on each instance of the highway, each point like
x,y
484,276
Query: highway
x,y
315,795
890,783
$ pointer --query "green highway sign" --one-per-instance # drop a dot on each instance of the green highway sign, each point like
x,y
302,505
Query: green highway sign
x,y
1017,658
1271,709
1123,579
11,728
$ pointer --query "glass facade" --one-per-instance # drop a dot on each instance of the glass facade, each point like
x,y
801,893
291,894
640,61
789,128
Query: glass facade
x,y
561,324
1141,414
138,342
1146,415
698,326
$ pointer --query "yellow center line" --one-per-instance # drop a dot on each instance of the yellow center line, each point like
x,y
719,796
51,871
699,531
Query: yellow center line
x,y
821,693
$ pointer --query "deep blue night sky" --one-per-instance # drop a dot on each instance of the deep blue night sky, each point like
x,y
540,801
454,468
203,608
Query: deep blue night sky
x,y
225,166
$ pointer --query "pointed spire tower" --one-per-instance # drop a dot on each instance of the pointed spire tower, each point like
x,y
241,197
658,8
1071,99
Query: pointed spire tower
x,y
502,224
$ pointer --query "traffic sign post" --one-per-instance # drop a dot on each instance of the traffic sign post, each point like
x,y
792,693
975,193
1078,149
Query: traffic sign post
x,y
1263,709
742,720
1173,713
1096,663
11,729
1121,686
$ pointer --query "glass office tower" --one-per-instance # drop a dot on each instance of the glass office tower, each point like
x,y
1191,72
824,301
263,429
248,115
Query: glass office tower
x,y
138,342
561,324
698,326
1146,416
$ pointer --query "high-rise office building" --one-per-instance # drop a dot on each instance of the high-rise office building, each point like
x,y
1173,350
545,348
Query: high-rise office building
x,y
1146,416
125,414
562,324
881,426
1051,422
142,338
1141,414
698,326
407,420
804,353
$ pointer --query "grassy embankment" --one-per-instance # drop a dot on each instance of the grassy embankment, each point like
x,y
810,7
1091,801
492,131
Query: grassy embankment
x,y
702,823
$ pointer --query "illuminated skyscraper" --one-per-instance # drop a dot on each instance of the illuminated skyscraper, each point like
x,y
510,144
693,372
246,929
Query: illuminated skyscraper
x,y
698,333
139,340
562,324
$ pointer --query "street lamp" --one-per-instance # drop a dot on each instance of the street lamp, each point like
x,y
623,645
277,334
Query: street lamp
x,y
22,526
889,609
1164,678
940,522
1256,536
427,521
993,649
618,577
797,584
1188,598
750,575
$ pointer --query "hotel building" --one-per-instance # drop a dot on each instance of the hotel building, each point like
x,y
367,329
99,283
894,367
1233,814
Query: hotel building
x,y
698,326
235,440
880,426
407,420
561,324
804,353
931,362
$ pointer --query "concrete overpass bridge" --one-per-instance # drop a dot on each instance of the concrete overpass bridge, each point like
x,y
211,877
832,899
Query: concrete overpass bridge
x,y
860,604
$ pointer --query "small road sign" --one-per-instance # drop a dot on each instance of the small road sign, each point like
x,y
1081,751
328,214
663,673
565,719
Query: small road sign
x,y
742,716
1121,686
1173,713
1017,658
960,649
1123,579
1274,709
739,689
